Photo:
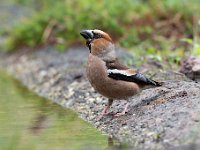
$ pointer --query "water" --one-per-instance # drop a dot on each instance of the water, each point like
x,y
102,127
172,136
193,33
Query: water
x,y
28,122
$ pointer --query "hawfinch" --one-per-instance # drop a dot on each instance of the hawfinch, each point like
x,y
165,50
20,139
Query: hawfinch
x,y
106,75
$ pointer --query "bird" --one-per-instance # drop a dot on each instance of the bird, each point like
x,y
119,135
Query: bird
x,y
107,75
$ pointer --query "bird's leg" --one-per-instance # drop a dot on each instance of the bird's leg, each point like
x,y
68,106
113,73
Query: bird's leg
x,y
106,109
123,112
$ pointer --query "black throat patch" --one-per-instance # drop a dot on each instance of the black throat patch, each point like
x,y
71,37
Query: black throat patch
x,y
88,44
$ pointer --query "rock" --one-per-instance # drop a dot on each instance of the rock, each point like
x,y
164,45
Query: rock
x,y
159,118
196,117
191,68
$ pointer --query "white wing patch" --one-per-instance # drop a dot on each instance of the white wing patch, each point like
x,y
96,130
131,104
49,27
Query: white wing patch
x,y
116,71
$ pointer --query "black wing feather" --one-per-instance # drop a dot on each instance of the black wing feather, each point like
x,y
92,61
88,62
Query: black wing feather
x,y
137,78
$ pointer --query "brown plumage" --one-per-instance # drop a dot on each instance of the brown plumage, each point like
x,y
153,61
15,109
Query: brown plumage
x,y
105,73
116,65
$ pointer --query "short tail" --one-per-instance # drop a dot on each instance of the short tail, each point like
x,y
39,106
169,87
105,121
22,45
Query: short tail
x,y
154,83
142,79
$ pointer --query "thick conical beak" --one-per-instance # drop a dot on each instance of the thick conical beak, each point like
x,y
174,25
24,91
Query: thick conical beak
x,y
87,34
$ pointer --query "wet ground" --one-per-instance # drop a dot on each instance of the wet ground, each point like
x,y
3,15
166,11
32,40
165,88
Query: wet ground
x,y
31,122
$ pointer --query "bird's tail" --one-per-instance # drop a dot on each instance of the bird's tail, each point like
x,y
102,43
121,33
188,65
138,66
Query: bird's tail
x,y
141,79
154,83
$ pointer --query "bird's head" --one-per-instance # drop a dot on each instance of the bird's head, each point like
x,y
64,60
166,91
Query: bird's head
x,y
99,43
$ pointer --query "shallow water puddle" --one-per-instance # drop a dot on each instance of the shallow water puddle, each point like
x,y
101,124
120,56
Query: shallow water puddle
x,y
28,122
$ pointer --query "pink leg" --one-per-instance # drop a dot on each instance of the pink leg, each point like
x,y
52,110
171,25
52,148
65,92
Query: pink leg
x,y
106,109
123,112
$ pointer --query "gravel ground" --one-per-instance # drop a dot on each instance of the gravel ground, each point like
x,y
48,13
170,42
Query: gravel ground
x,y
166,117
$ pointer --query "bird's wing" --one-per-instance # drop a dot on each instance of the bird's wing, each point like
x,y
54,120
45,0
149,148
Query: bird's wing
x,y
131,76
118,71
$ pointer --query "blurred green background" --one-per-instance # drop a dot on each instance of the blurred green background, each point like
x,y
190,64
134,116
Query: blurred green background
x,y
160,29
155,26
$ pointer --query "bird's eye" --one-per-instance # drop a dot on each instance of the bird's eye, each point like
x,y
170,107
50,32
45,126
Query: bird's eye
x,y
97,35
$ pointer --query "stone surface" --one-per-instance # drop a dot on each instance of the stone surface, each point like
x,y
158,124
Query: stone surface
x,y
165,117
191,68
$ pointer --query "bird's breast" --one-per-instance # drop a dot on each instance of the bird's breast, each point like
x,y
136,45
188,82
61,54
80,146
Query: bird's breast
x,y
96,70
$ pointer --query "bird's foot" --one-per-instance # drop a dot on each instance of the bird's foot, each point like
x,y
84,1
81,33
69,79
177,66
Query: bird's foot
x,y
120,114
123,112
102,115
